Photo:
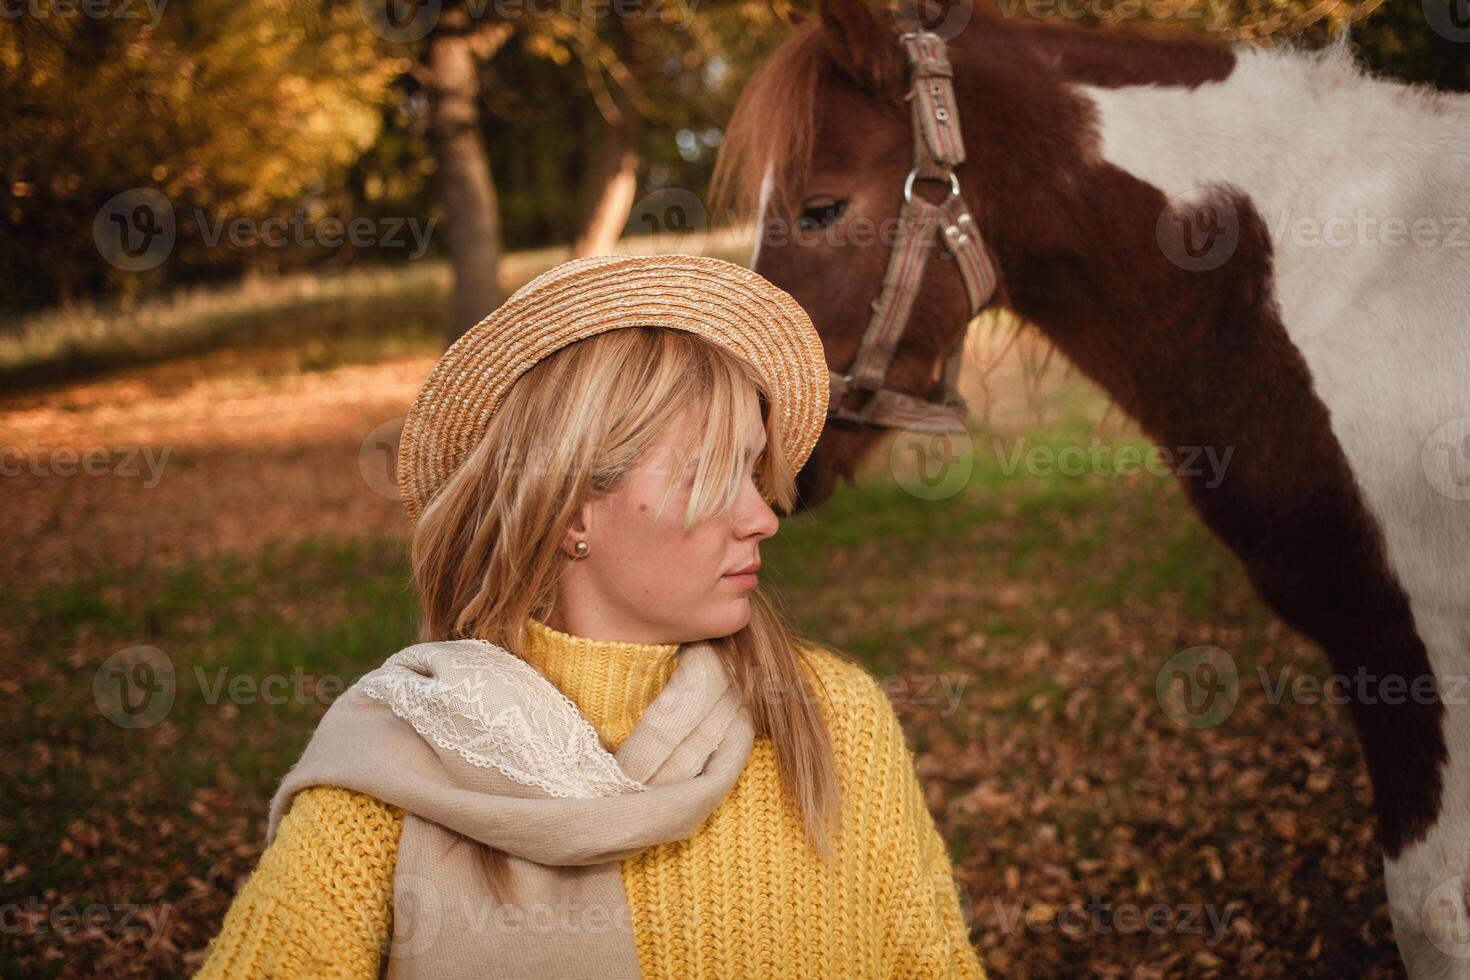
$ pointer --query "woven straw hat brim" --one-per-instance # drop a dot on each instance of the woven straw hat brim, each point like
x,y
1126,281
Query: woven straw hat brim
x,y
723,302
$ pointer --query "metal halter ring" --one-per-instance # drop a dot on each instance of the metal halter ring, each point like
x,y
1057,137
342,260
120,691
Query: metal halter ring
x,y
908,184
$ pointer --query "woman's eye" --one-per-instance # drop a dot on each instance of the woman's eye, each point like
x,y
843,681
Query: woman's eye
x,y
821,212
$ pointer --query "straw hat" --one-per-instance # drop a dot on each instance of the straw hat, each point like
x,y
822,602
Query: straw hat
x,y
725,303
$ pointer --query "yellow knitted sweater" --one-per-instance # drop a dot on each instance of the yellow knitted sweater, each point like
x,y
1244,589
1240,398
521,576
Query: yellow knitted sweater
x,y
746,896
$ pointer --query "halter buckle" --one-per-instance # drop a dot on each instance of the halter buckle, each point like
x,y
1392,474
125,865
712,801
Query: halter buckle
x,y
908,184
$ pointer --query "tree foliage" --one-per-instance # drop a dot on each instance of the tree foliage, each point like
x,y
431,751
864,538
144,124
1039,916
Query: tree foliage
x,y
227,108
297,109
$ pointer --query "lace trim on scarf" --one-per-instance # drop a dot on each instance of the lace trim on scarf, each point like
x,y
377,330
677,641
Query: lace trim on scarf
x,y
538,737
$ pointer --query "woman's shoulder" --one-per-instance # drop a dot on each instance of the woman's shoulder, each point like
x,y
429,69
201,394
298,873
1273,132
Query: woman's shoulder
x,y
364,822
851,691
836,667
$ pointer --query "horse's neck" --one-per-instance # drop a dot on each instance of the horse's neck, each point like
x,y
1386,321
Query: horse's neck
x,y
1333,189
1111,57
1323,349
1339,166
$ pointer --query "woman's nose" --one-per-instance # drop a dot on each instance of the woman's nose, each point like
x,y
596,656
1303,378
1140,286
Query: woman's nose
x,y
755,516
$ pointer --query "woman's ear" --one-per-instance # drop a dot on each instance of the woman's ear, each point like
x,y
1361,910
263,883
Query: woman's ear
x,y
863,46
578,530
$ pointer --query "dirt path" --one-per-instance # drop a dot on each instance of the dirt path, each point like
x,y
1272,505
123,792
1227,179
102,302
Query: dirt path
x,y
175,463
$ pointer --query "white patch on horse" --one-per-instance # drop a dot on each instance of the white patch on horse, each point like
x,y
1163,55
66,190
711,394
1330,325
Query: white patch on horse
x,y
1365,186
767,184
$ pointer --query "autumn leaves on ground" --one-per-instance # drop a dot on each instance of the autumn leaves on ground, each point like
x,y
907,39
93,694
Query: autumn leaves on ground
x,y
202,551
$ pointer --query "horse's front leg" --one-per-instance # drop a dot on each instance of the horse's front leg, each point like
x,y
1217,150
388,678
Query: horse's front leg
x,y
1428,883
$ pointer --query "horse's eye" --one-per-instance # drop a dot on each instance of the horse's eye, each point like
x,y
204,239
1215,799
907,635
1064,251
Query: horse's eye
x,y
819,212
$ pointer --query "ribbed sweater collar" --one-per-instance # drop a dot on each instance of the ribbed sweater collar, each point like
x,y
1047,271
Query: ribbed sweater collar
x,y
610,681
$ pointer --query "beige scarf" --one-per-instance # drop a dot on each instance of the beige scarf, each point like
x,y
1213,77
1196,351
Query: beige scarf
x,y
465,736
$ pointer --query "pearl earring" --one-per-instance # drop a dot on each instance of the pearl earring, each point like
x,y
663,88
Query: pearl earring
x,y
581,547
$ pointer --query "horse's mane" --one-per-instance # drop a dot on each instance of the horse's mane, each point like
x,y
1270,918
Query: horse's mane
x,y
773,125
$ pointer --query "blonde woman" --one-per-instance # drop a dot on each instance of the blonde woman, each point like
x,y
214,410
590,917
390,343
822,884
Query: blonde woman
x,y
609,758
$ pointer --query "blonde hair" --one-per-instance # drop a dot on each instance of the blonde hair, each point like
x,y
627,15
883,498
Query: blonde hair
x,y
486,549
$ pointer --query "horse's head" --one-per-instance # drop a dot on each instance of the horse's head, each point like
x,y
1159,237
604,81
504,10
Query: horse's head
x,y
822,138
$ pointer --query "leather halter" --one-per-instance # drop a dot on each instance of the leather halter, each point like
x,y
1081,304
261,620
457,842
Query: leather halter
x,y
938,150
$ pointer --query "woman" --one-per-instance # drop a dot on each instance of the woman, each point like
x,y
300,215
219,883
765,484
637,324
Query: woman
x,y
611,758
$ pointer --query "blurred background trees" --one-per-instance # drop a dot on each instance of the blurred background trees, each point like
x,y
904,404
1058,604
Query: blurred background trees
x,y
513,124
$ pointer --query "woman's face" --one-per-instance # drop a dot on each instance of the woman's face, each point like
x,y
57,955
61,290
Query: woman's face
x,y
647,578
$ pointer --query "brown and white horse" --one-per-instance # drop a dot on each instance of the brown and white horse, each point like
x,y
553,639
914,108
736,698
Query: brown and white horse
x,y
1329,344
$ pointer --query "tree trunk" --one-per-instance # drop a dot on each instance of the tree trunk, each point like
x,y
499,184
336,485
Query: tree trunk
x,y
613,177
466,186
614,184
